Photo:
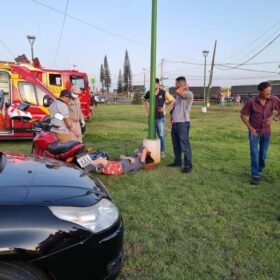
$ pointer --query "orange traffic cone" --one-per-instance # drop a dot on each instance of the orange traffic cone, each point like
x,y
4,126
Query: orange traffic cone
x,y
1,121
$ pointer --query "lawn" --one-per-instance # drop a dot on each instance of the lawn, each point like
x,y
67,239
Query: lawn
x,y
208,224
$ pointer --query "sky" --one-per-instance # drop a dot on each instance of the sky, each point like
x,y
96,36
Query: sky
x,y
92,29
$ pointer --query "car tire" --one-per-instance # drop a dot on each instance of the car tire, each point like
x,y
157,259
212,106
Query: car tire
x,y
23,271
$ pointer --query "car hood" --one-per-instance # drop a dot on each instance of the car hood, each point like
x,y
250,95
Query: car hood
x,y
32,180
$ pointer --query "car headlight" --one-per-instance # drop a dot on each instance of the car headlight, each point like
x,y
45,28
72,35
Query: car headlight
x,y
97,218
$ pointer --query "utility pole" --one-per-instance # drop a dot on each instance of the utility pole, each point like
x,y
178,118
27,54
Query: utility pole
x,y
144,72
161,72
211,74
162,78
204,108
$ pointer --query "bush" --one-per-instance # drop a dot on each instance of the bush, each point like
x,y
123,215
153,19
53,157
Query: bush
x,y
137,98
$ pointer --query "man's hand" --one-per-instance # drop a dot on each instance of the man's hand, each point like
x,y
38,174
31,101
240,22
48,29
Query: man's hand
x,y
253,131
181,90
269,121
186,87
132,160
76,133
162,109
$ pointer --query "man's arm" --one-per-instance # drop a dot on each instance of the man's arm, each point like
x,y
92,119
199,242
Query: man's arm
x,y
170,99
131,159
146,102
143,155
245,120
183,92
244,115
69,125
81,115
146,106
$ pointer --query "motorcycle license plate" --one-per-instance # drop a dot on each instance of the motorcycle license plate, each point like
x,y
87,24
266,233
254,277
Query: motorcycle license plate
x,y
84,161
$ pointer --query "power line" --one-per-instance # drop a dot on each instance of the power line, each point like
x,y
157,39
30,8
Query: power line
x,y
103,29
252,57
259,37
7,49
245,69
89,24
61,32
221,64
259,45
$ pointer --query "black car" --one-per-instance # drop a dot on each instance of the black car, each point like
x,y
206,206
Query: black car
x,y
56,222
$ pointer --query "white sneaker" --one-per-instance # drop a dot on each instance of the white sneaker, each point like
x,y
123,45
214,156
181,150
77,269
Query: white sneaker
x,y
162,155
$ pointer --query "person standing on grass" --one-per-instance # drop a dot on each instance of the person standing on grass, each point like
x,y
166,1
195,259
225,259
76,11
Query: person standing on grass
x,y
161,98
62,127
222,100
76,114
256,114
180,125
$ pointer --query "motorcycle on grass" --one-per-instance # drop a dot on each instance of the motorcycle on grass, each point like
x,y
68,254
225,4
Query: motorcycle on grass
x,y
46,144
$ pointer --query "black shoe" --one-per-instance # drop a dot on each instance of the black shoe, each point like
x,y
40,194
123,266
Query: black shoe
x,y
174,164
186,169
255,180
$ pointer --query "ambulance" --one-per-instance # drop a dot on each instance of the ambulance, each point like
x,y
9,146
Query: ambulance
x,y
23,99
57,80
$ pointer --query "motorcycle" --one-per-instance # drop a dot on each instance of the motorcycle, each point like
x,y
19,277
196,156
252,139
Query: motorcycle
x,y
46,144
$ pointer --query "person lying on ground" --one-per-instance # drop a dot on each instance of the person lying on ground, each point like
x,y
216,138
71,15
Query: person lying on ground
x,y
125,164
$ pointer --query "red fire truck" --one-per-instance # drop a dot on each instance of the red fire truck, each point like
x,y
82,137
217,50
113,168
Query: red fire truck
x,y
57,80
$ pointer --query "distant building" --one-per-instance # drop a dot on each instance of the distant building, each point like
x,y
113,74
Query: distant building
x,y
138,89
198,93
248,91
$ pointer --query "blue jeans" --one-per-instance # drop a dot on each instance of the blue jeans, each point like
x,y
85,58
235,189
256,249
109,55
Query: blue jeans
x,y
258,151
160,125
181,143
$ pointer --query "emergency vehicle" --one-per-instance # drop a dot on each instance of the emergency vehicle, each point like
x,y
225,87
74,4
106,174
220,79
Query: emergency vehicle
x,y
18,86
57,80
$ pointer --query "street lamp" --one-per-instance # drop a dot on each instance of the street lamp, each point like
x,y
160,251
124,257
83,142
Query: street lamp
x,y
205,53
31,39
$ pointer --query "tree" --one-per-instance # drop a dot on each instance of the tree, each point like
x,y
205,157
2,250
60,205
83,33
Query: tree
x,y
127,75
120,83
102,77
138,91
137,98
107,75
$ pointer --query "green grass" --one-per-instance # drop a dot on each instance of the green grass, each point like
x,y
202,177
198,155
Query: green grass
x,y
209,224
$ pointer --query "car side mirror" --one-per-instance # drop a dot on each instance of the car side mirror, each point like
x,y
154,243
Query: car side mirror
x,y
47,101
58,116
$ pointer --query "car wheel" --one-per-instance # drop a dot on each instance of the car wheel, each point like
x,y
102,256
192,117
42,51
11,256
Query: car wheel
x,y
23,271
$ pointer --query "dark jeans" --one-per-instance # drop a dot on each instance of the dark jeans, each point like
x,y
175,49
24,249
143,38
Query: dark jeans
x,y
181,143
258,151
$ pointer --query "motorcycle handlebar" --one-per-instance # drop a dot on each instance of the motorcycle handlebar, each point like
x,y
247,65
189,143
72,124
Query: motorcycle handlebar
x,y
41,126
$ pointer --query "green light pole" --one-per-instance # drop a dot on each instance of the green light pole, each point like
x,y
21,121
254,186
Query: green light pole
x,y
152,130
205,53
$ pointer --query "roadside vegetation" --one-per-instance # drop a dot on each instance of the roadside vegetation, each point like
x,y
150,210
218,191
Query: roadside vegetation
x,y
208,224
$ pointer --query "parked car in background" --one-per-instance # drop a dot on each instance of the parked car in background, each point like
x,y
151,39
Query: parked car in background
x,y
101,99
56,222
